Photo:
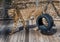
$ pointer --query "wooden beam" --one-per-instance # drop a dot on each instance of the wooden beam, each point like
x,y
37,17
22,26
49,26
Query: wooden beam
x,y
1,19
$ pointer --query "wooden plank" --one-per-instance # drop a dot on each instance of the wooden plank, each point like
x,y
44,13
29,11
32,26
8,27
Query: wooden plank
x,y
18,37
34,36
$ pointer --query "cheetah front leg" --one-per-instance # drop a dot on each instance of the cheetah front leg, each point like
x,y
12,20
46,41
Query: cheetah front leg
x,y
15,24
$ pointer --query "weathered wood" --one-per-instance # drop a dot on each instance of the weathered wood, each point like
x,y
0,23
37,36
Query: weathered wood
x,y
32,36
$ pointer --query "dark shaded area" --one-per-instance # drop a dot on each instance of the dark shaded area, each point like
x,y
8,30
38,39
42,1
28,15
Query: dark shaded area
x,y
50,32
3,35
31,26
7,31
27,35
40,21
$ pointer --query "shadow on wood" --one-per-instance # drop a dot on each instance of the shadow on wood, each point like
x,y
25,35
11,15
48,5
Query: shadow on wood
x,y
51,32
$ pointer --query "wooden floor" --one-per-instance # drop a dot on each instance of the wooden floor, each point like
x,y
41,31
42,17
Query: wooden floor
x,y
32,36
